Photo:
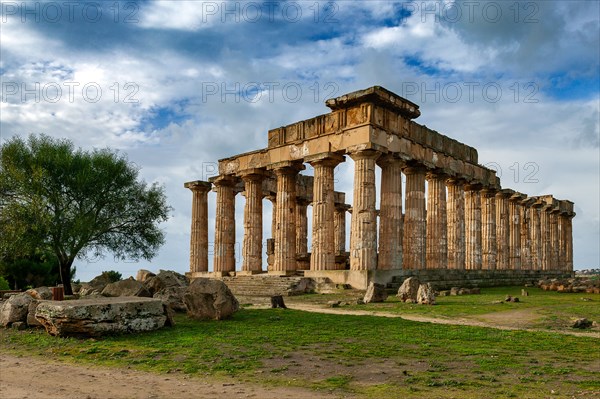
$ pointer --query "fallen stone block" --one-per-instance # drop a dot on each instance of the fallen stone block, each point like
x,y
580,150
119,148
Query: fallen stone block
x,y
101,316
375,293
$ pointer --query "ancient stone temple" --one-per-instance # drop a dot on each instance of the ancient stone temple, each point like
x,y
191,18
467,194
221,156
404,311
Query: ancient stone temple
x,y
454,220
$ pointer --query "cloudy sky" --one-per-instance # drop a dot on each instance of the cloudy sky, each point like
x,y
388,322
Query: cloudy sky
x,y
178,85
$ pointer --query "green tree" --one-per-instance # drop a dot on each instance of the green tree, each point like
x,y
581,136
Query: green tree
x,y
78,203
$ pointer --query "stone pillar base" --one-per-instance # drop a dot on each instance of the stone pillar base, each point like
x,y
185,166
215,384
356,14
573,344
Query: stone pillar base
x,y
249,272
281,273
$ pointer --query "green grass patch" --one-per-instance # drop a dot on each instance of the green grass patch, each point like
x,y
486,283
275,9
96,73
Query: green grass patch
x,y
367,356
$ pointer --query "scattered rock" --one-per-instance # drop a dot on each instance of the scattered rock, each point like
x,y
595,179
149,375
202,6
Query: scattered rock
x,y
524,293
510,298
444,293
129,287
15,309
475,291
172,297
426,294
170,321
582,323
95,286
587,299
40,293
277,302
454,291
334,304
360,301
31,320
515,299
143,274
375,293
209,299
408,290
101,316
497,302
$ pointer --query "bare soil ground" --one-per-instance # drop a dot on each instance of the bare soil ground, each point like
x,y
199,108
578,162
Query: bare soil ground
x,y
35,378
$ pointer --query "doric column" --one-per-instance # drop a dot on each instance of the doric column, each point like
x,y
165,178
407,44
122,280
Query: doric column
x,y
301,227
456,223
285,217
569,241
554,243
536,236
436,247
473,226
503,229
273,198
488,229
199,231
224,257
414,235
545,233
514,239
363,227
390,218
339,223
525,226
253,212
323,234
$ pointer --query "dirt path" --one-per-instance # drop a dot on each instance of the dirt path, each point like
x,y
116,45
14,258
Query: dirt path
x,y
34,378
501,320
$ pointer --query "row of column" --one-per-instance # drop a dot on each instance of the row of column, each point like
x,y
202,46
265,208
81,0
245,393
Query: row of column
x,y
470,227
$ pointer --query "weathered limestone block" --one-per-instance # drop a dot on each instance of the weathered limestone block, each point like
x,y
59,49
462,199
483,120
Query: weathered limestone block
x,y
164,279
209,299
31,320
375,293
101,316
40,293
129,287
409,289
95,286
15,309
172,297
143,275
426,295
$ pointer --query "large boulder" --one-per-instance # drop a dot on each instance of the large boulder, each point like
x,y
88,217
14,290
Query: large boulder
x,y
143,275
101,316
408,290
172,297
129,287
31,320
426,294
40,293
164,279
96,285
209,299
375,293
15,309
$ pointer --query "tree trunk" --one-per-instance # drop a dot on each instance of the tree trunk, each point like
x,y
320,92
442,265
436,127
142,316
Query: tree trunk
x,y
65,275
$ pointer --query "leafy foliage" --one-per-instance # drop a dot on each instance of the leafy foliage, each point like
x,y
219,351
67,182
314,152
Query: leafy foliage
x,y
113,275
4,284
78,203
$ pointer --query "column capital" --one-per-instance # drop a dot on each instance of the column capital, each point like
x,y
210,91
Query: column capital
x,y
455,181
390,158
436,174
473,186
303,201
325,158
224,180
342,207
517,197
528,202
198,185
368,153
411,168
505,193
489,192
252,174
286,167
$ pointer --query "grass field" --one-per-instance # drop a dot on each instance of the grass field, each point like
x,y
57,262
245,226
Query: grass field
x,y
368,356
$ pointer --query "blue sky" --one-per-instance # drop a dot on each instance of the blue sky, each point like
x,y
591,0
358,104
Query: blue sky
x,y
178,85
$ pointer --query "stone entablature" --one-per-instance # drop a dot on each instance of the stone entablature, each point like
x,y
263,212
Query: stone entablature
x,y
464,221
